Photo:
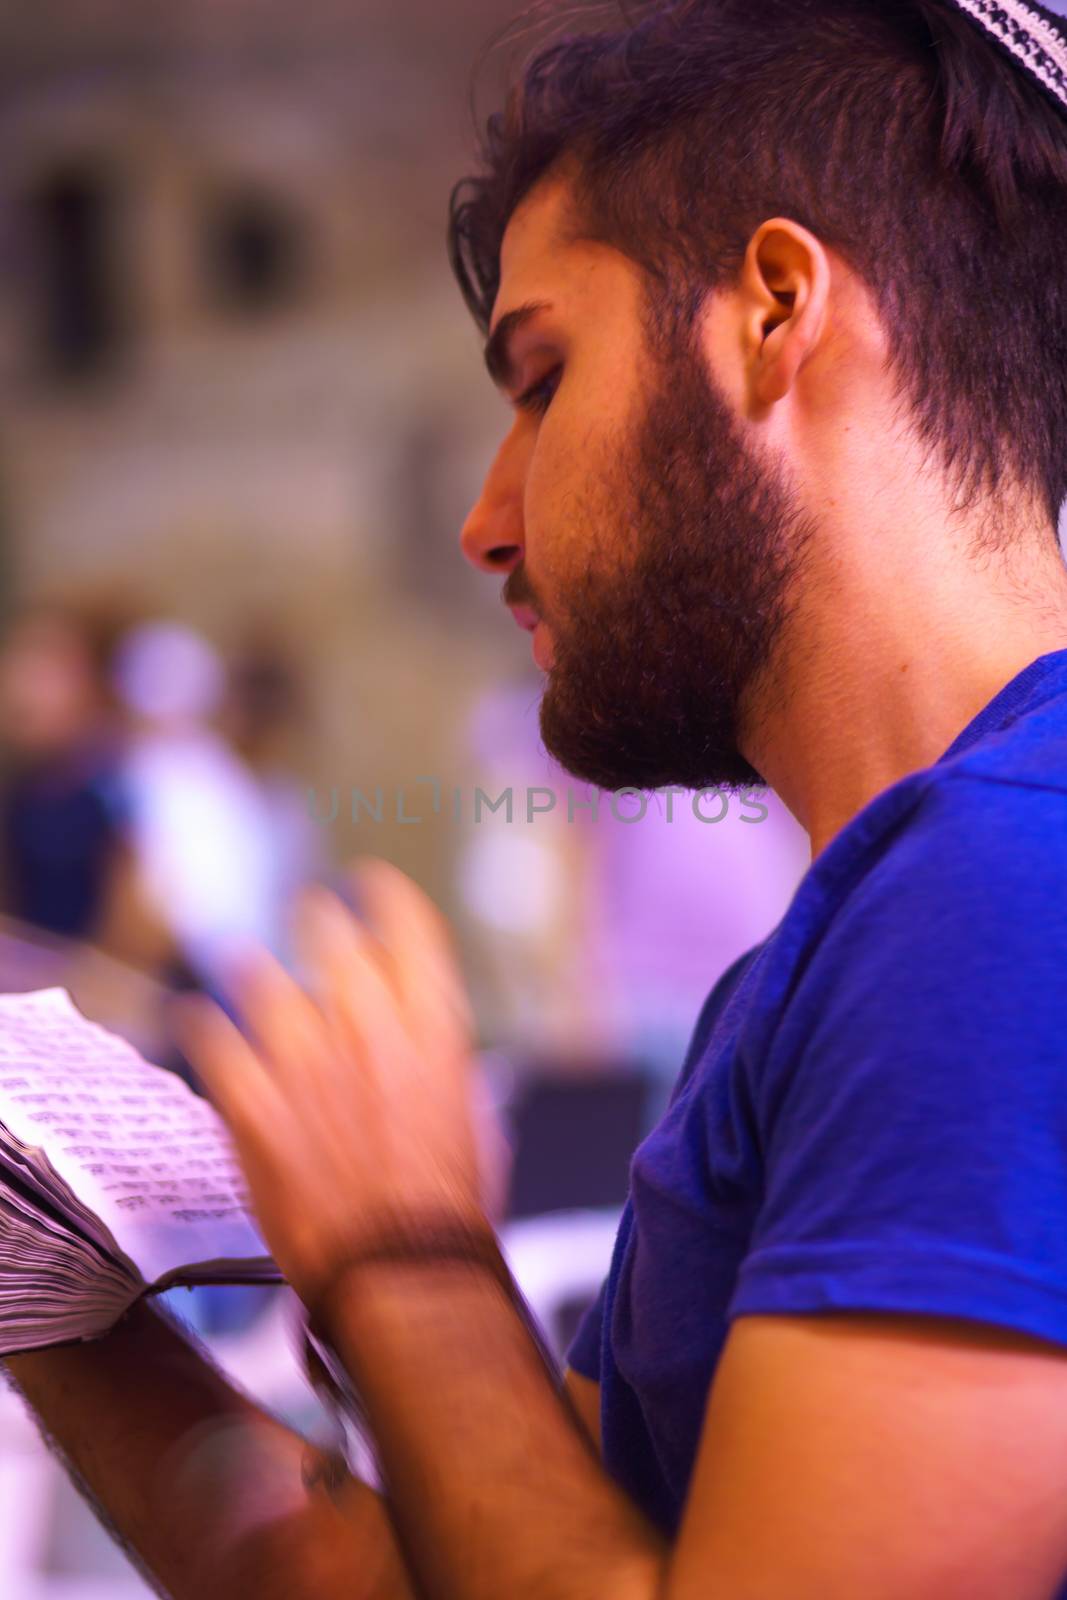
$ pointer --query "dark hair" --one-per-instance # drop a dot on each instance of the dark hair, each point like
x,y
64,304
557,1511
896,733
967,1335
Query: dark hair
x,y
892,129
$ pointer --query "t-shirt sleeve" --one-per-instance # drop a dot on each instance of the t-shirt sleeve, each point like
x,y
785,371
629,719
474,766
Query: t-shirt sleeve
x,y
914,1107
584,1351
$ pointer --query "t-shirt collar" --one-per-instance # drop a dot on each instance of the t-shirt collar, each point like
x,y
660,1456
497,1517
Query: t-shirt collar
x,y
1041,680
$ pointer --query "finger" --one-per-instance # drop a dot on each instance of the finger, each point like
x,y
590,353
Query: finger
x,y
395,904
413,930
350,986
319,922
373,947
400,1067
228,1067
284,1024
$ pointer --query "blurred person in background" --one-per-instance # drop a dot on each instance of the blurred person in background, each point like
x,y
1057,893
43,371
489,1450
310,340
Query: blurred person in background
x,y
63,805
778,302
265,717
202,836
74,914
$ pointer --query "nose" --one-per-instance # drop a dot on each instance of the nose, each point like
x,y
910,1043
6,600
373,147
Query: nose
x,y
492,538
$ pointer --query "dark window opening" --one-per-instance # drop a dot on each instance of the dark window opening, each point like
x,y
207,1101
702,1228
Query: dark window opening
x,y
74,271
254,253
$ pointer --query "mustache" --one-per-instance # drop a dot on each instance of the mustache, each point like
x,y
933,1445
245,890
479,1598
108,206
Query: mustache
x,y
518,591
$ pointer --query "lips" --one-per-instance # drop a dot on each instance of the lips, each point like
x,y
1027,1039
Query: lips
x,y
525,617
530,622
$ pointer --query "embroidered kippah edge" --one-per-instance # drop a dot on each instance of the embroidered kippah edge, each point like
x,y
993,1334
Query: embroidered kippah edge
x,y
1028,36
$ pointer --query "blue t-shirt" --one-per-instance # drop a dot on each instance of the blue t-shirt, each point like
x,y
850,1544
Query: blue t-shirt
x,y
872,1113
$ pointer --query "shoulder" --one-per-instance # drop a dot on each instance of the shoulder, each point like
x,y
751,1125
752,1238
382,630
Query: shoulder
x,y
939,968
997,806
978,844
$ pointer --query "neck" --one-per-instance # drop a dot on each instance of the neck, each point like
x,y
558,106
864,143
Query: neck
x,y
893,648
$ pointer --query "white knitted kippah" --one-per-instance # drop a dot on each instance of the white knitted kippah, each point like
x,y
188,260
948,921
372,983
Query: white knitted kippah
x,y
1033,35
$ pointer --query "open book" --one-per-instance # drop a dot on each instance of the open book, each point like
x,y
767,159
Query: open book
x,y
116,1180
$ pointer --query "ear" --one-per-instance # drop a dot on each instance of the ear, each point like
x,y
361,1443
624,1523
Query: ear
x,y
785,287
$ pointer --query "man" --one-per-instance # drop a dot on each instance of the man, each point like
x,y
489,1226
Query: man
x,y
778,503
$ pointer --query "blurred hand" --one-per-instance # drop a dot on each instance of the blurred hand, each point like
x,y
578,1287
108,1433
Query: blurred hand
x,y
349,1102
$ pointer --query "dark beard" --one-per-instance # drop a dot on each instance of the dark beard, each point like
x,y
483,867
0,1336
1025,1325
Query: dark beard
x,y
653,661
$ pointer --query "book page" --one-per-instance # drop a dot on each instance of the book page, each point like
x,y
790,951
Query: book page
x,y
131,1141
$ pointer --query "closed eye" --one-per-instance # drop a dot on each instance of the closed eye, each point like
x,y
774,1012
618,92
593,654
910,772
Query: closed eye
x,y
538,397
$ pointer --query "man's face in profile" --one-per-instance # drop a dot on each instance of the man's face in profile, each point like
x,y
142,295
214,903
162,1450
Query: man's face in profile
x,y
632,519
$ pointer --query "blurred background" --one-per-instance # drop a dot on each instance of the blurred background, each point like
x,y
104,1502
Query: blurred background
x,y
244,415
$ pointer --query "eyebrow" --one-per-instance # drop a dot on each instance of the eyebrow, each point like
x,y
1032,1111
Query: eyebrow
x,y
499,362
